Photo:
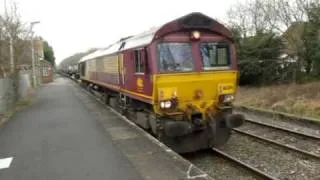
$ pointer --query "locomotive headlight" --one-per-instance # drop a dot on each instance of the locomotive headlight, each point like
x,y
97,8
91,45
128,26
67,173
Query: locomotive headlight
x,y
167,104
195,35
226,98
162,104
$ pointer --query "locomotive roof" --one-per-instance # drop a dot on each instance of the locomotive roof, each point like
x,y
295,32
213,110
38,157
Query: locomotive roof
x,y
190,21
130,42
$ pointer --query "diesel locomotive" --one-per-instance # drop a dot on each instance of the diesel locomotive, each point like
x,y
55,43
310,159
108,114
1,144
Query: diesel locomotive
x,y
177,81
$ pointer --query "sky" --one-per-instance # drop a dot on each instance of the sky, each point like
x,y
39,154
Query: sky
x,y
72,26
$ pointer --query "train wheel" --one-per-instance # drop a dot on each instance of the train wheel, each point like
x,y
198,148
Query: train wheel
x,y
106,99
153,123
123,110
221,133
113,102
83,84
155,126
89,88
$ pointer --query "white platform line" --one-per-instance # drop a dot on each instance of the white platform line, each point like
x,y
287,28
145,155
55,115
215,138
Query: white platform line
x,y
5,163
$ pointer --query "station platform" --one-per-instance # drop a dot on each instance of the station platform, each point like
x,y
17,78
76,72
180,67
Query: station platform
x,y
67,134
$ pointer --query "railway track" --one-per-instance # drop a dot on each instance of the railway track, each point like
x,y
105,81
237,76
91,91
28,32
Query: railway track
x,y
261,129
300,151
284,129
254,170
306,144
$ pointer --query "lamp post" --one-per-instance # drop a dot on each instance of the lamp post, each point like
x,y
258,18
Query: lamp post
x,y
32,55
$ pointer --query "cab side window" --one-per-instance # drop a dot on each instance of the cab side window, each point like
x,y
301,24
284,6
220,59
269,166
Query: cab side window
x,y
139,66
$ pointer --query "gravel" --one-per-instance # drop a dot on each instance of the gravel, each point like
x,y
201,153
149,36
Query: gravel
x,y
218,167
286,138
272,159
300,126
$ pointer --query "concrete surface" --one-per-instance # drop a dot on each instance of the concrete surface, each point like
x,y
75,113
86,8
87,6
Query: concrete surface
x,y
56,138
67,134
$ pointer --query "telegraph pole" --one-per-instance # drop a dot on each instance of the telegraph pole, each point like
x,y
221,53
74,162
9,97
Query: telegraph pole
x,y
33,63
32,56
12,65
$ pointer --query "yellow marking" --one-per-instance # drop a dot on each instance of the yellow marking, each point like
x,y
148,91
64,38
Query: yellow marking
x,y
167,93
139,84
226,88
104,84
120,89
154,93
196,73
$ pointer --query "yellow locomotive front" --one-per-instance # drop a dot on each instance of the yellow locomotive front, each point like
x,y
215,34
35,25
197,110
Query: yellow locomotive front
x,y
194,88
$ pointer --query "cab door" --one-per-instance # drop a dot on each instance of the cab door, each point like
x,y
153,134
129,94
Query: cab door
x,y
134,74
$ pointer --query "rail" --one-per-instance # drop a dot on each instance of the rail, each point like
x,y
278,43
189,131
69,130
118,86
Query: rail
x,y
284,129
281,129
245,165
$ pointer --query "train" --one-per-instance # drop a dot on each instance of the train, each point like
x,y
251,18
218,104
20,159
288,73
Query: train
x,y
176,81
71,70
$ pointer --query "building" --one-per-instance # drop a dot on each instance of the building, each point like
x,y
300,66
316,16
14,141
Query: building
x,y
46,72
24,57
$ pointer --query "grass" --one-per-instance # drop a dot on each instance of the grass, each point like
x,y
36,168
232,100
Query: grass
x,y
26,101
23,103
298,99
5,117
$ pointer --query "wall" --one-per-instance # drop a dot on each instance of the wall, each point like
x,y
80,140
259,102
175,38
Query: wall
x,y
6,96
24,83
6,90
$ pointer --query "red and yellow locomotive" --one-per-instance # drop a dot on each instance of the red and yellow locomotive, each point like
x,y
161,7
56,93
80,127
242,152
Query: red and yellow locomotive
x,y
178,81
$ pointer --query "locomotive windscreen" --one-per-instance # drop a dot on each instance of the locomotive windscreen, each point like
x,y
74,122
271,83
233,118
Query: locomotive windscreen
x,y
175,57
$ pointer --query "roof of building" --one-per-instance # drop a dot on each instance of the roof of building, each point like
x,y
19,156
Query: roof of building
x,y
193,20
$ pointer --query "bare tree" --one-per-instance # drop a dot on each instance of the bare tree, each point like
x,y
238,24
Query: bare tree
x,y
14,34
238,19
251,17
295,21
290,19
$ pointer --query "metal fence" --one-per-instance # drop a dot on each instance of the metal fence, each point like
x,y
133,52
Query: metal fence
x,y
7,91
6,94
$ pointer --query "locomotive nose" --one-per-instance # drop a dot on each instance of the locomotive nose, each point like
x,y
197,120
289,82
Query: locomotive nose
x,y
234,120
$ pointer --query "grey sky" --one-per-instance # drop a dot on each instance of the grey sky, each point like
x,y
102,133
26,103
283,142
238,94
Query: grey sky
x,y
71,26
